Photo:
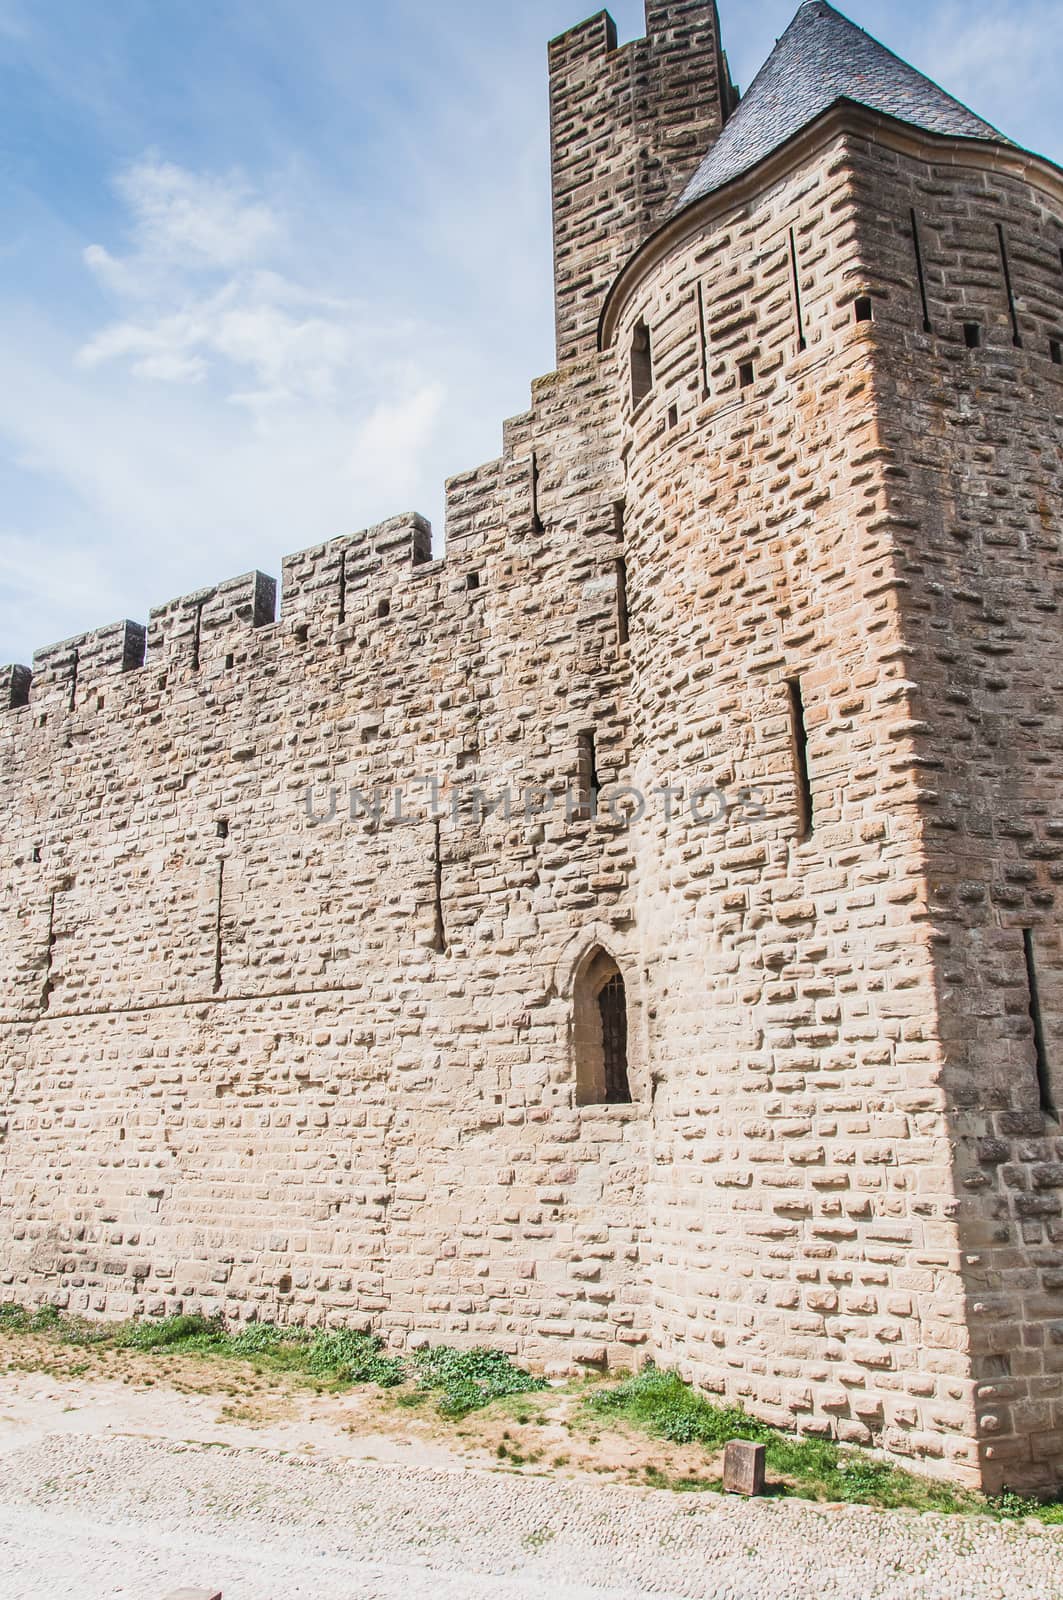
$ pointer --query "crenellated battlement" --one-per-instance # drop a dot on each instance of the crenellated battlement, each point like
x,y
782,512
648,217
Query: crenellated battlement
x,y
198,631
322,583
627,126
63,674
195,629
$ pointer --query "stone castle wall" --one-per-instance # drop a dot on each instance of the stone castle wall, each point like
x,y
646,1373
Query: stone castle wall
x,y
804,1248
628,125
264,1054
281,1064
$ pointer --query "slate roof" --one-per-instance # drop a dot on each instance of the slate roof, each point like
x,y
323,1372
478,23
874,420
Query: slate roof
x,y
820,59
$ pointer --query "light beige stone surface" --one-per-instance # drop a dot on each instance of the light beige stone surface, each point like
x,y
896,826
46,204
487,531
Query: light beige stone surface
x,y
279,1060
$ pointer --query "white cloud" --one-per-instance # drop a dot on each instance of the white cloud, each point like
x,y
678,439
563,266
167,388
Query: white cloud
x,y
191,221
229,413
202,298
303,330
396,433
243,331
183,491
156,350
119,277
288,355
34,592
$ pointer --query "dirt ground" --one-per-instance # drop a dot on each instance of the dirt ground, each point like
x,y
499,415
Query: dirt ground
x,y
49,1388
127,1475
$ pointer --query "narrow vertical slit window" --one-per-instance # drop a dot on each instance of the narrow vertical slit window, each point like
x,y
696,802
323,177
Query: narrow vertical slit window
x,y
586,778
264,603
802,342
219,899
799,748
18,687
863,310
703,341
622,628
421,551
134,648
1055,352
197,635
49,951
74,668
1016,333
972,335
343,586
917,244
439,930
1044,1075
641,364
536,519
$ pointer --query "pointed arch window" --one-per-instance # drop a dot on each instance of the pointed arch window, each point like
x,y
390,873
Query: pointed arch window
x,y
601,1033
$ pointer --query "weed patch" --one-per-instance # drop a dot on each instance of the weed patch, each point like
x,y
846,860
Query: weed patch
x,y
465,1380
334,1357
454,1383
460,1380
659,1403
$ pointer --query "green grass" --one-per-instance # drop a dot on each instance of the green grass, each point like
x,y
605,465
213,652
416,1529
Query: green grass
x,y
459,1381
656,1478
337,1357
659,1403
464,1380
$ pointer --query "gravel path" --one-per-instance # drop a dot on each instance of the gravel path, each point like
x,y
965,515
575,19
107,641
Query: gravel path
x,y
134,1518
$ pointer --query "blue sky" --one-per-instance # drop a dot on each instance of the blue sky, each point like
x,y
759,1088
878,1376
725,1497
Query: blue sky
x,y
271,269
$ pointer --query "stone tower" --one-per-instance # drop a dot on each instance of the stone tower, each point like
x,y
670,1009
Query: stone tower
x,y
634,934
843,557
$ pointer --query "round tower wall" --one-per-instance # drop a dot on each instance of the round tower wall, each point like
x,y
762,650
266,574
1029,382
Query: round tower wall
x,y
804,1253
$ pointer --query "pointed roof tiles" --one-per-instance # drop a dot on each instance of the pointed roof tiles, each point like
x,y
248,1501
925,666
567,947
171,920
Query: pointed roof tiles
x,y
823,58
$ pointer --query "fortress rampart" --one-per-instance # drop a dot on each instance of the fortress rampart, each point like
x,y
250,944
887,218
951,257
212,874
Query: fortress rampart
x,y
769,1093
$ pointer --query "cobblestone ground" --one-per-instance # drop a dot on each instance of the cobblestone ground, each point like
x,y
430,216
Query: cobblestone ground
x,y
134,1518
